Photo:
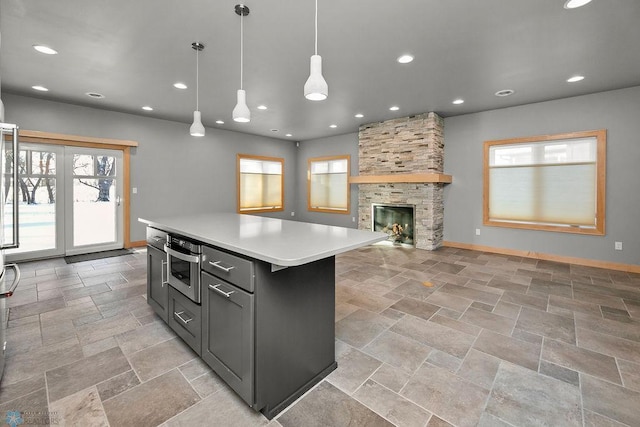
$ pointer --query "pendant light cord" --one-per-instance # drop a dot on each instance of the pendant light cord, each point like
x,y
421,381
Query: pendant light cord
x,y
197,77
241,45
316,27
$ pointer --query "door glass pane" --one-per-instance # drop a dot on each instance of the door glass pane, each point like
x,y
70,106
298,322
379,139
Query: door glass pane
x,y
36,198
94,211
94,199
83,164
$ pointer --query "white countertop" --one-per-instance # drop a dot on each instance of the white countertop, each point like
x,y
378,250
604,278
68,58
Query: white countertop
x,y
277,241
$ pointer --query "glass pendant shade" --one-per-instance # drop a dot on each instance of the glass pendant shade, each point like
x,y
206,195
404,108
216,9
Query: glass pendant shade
x,y
241,112
316,88
196,129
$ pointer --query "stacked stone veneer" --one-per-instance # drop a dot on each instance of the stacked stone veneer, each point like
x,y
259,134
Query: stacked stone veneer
x,y
404,146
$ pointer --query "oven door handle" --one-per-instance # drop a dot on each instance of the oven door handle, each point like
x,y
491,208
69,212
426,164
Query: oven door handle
x,y
184,257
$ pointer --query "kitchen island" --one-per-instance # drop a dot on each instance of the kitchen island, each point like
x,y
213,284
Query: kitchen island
x,y
261,310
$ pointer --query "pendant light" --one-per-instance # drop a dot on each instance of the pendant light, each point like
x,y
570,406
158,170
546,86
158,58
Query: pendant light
x,y
316,88
197,129
241,112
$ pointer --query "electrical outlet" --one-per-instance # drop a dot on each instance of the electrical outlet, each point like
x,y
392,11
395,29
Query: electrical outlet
x,y
134,190
353,219
293,214
618,246
477,231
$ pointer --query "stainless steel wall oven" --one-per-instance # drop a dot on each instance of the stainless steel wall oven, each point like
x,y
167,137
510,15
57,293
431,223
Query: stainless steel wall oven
x,y
183,266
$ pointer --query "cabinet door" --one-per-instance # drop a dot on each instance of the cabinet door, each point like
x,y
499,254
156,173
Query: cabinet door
x,y
227,338
157,289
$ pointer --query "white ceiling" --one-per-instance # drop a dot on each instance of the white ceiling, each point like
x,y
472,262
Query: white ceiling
x,y
132,51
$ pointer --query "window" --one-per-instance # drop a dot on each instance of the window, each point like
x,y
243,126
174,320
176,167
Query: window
x,y
260,184
328,184
554,182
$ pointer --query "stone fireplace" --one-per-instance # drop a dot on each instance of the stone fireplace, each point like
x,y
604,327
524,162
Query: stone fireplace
x,y
401,163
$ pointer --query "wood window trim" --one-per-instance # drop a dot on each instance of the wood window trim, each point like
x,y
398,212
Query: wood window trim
x,y
329,158
92,142
601,161
264,158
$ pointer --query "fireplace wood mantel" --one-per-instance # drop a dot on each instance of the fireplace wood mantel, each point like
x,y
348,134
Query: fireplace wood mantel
x,y
402,177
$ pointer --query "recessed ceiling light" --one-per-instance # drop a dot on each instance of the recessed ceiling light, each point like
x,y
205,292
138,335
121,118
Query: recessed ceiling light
x,y
45,49
288,134
180,85
405,59
40,88
94,95
394,108
220,122
575,79
359,115
505,92
458,101
262,107
572,4
333,126
147,108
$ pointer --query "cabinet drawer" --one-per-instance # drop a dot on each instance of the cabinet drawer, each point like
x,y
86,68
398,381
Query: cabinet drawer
x,y
156,238
185,318
232,268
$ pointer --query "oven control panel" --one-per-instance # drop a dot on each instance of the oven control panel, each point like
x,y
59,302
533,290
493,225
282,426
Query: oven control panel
x,y
179,242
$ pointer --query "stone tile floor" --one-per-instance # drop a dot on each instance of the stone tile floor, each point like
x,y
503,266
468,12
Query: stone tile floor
x,y
451,337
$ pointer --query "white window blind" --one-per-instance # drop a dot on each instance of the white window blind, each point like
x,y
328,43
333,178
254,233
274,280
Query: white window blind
x,y
546,182
260,185
329,184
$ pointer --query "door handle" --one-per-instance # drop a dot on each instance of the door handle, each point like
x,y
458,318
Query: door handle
x,y
14,285
164,268
220,291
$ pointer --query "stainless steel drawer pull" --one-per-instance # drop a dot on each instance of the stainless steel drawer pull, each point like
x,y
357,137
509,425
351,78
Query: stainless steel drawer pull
x,y
220,267
157,239
178,315
220,291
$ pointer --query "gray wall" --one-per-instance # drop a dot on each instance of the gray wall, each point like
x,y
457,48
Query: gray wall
x,y
332,146
172,171
617,111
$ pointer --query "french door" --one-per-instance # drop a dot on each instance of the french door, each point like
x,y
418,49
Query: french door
x,y
69,201
93,200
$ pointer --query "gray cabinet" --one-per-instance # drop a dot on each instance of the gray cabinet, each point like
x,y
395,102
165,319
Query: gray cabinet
x,y
267,331
185,319
157,289
228,334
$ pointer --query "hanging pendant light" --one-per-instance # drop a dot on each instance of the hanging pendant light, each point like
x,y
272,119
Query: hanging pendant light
x,y
241,112
316,88
197,129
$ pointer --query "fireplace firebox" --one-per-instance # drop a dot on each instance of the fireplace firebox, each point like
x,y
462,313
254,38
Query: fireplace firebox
x,y
398,221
